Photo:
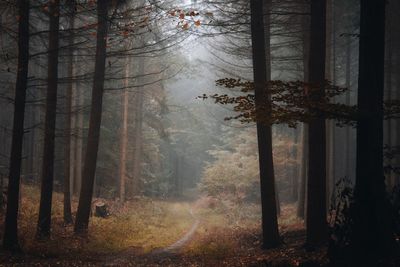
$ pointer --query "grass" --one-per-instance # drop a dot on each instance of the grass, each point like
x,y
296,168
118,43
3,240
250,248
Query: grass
x,y
142,225
228,235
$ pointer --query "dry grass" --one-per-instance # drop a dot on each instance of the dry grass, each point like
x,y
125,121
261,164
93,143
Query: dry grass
x,y
230,234
142,224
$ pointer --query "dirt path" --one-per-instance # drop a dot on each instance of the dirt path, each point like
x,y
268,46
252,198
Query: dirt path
x,y
157,256
184,239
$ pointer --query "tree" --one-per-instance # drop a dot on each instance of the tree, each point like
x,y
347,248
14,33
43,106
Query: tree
x,y
138,132
264,134
89,168
373,232
316,185
67,149
124,133
305,29
44,222
10,239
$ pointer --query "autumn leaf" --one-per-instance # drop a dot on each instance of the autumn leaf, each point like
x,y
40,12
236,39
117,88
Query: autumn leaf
x,y
181,16
185,26
197,23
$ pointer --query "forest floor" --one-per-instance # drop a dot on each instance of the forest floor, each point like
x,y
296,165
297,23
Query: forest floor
x,y
147,232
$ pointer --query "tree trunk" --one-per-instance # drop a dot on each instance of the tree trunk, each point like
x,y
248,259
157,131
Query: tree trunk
x,y
89,168
389,70
301,206
124,133
44,222
137,154
394,7
67,132
10,239
348,102
373,232
317,232
264,135
330,124
78,152
294,155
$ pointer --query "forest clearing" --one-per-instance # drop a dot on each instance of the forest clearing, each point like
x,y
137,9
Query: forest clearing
x,y
200,133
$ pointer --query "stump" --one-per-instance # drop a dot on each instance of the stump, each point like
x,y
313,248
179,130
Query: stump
x,y
101,210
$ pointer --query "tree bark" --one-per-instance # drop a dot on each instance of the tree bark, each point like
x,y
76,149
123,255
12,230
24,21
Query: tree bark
x,y
301,206
124,133
373,232
78,151
330,124
348,102
264,135
44,222
137,141
89,168
67,132
10,238
316,226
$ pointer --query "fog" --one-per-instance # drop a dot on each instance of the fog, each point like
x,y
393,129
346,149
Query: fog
x,y
198,132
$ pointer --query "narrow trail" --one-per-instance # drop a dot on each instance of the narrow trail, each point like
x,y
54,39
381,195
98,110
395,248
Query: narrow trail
x,y
182,241
157,255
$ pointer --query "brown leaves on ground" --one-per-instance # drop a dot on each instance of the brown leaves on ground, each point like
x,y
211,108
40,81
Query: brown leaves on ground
x,y
228,235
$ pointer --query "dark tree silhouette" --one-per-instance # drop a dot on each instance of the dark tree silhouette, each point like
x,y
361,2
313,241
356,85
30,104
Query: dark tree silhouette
x,y
89,168
373,232
10,239
44,223
316,183
67,149
264,134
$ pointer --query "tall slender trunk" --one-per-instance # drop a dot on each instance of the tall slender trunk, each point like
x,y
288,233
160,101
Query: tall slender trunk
x,y
67,131
348,99
394,8
294,155
44,222
264,134
124,133
137,154
301,206
317,232
78,151
330,124
89,168
10,238
373,232
388,95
